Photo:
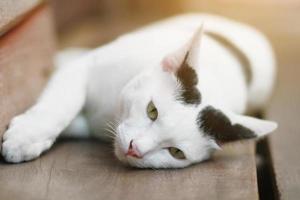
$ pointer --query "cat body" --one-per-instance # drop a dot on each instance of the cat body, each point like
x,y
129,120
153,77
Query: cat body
x,y
219,78
184,75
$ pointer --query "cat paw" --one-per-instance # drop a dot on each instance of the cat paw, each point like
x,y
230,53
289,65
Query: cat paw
x,y
16,150
21,143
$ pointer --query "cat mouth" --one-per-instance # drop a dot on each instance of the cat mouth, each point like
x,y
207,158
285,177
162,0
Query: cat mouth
x,y
133,154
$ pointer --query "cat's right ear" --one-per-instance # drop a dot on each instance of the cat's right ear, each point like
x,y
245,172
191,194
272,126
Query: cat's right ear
x,y
182,63
186,56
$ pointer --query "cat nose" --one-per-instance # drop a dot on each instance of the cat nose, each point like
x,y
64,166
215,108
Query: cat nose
x,y
133,150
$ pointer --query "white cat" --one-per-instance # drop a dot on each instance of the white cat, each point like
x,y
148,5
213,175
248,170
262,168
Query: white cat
x,y
173,91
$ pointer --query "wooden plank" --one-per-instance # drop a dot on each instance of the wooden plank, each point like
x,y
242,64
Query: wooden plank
x,y
25,61
88,170
285,108
12,11
285,143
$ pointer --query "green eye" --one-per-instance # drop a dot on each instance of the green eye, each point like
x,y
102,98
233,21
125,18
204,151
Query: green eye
x,y
152,111
176,153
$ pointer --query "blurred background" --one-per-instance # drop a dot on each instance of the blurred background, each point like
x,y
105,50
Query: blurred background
x,y
91,22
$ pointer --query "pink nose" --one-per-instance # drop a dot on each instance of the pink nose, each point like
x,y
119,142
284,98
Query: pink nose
x,y
133,151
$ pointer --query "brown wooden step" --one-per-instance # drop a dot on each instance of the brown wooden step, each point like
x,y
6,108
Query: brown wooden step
x,y
13,11
26,53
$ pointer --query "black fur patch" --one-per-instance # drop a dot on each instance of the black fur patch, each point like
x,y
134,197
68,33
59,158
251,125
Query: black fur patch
x,y
218,126
188,78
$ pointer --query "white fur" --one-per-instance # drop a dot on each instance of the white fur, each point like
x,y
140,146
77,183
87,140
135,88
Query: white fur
x,y
117,81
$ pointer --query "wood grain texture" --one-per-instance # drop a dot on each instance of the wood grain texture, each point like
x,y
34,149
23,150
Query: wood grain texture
x,y
12,11
88,170
285,109
25,61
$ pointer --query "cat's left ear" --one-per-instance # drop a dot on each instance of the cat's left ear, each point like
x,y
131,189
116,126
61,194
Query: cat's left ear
x,y
186,56
226,126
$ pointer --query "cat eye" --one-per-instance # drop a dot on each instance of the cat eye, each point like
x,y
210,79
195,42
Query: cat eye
x,y
152,111
176,153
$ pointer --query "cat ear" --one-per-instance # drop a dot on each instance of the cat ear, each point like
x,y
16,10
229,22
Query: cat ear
x,y
225,126
182,64
185,56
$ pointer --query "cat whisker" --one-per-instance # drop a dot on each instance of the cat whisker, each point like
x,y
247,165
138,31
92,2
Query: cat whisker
x,y
111,129
111,125
112,132
117,121
109,133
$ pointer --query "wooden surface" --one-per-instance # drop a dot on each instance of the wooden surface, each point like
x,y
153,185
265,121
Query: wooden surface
x,y
12,11
285,108
88,170
25,62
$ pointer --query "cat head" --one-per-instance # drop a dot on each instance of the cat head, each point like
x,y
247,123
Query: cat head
x,y
164,123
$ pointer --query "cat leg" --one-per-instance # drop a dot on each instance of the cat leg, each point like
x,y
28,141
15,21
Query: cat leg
x,y
78,128
34,131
